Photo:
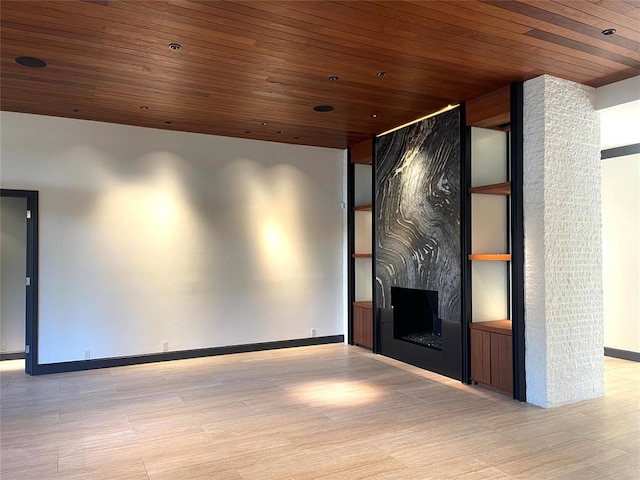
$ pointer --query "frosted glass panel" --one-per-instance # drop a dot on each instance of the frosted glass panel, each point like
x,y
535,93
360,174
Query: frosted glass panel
x,y
362,184
362,232
489,293
489,156
363,275
489,224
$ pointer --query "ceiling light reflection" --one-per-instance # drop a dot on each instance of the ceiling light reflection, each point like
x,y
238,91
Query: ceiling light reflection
x,y
336,393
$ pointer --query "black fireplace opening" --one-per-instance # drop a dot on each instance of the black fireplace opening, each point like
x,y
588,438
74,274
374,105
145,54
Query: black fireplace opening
x,y
415,317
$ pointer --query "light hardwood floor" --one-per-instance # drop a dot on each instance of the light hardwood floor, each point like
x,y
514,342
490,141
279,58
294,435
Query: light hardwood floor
x,y
325,412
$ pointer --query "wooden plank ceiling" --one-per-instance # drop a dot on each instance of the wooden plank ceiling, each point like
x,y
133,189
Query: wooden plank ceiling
x,y
244,63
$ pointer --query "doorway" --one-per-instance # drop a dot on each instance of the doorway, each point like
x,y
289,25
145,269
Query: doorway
x,y
19,276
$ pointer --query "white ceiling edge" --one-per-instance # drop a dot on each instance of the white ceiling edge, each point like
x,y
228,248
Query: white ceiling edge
x,y
619,106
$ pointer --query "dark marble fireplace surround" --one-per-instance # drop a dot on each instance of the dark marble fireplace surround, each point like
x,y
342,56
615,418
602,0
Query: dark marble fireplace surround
x,y
417,243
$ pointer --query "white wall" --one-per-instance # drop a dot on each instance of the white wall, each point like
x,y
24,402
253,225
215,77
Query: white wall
x,y
621,258
564,338
201,241
13,268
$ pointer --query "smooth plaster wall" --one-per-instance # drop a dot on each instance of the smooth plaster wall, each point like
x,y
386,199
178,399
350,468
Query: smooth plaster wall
x,y
13,268
563,243
621,257
150,235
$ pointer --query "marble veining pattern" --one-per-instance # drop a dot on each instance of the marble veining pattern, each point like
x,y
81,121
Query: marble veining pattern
x,y
418,211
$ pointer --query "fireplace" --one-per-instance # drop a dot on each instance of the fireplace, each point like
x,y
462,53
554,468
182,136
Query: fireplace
x,y
415,317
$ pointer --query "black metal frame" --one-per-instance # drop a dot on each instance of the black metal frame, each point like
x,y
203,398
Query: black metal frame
x,y
465,244
517,244
351,284
31,320
377,335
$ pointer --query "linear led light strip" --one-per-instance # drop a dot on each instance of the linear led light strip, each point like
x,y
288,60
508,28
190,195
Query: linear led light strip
x,y
442,110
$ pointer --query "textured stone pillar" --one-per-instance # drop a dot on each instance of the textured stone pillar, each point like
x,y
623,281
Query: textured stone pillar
x,y
563,243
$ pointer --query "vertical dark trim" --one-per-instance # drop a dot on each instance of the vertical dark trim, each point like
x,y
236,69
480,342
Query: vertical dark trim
x,y
351,283
377,335
509,233
465,243
517,243
31,320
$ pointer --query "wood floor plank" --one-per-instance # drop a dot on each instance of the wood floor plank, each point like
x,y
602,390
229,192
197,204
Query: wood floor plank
x,y
323,412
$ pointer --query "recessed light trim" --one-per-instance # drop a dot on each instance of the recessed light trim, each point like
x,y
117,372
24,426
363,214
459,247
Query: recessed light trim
x,y
264,124
374,115
144,107
382,74
77,110
168,122
175,46
323,108
247,131
280,132
31,62
608,31
334,78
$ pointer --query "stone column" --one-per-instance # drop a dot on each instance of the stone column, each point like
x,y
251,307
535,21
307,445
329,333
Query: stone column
x,y
563,243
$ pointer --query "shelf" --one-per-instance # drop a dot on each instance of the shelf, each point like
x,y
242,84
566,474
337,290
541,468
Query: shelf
x,y
493,257
503,188
363,208
362,255
368,304
495,326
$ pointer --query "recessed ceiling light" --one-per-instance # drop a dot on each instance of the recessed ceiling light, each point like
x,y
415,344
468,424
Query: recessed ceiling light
x,y
382,74
264,124
168,122
333,78
144,107
323,108
280,132
374,115
76,110
296,138
31,62
175,46
608,31
247,131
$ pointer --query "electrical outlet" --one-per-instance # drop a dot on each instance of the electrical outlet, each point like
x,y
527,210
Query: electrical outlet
x,y
165,346
87,354
313,332
3,345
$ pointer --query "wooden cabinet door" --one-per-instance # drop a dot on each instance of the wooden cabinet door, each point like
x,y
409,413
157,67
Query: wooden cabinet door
x,y
367,327
357,325
501,362
481,356
363,326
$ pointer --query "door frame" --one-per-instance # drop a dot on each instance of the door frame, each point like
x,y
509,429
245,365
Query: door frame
x,y
31,320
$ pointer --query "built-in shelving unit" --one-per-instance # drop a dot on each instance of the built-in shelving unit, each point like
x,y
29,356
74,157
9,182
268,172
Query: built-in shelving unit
x,y
362,268
490,333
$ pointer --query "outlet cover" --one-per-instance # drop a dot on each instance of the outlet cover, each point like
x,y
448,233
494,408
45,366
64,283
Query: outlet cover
x,y
165,346
87,354
3,345
313,332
